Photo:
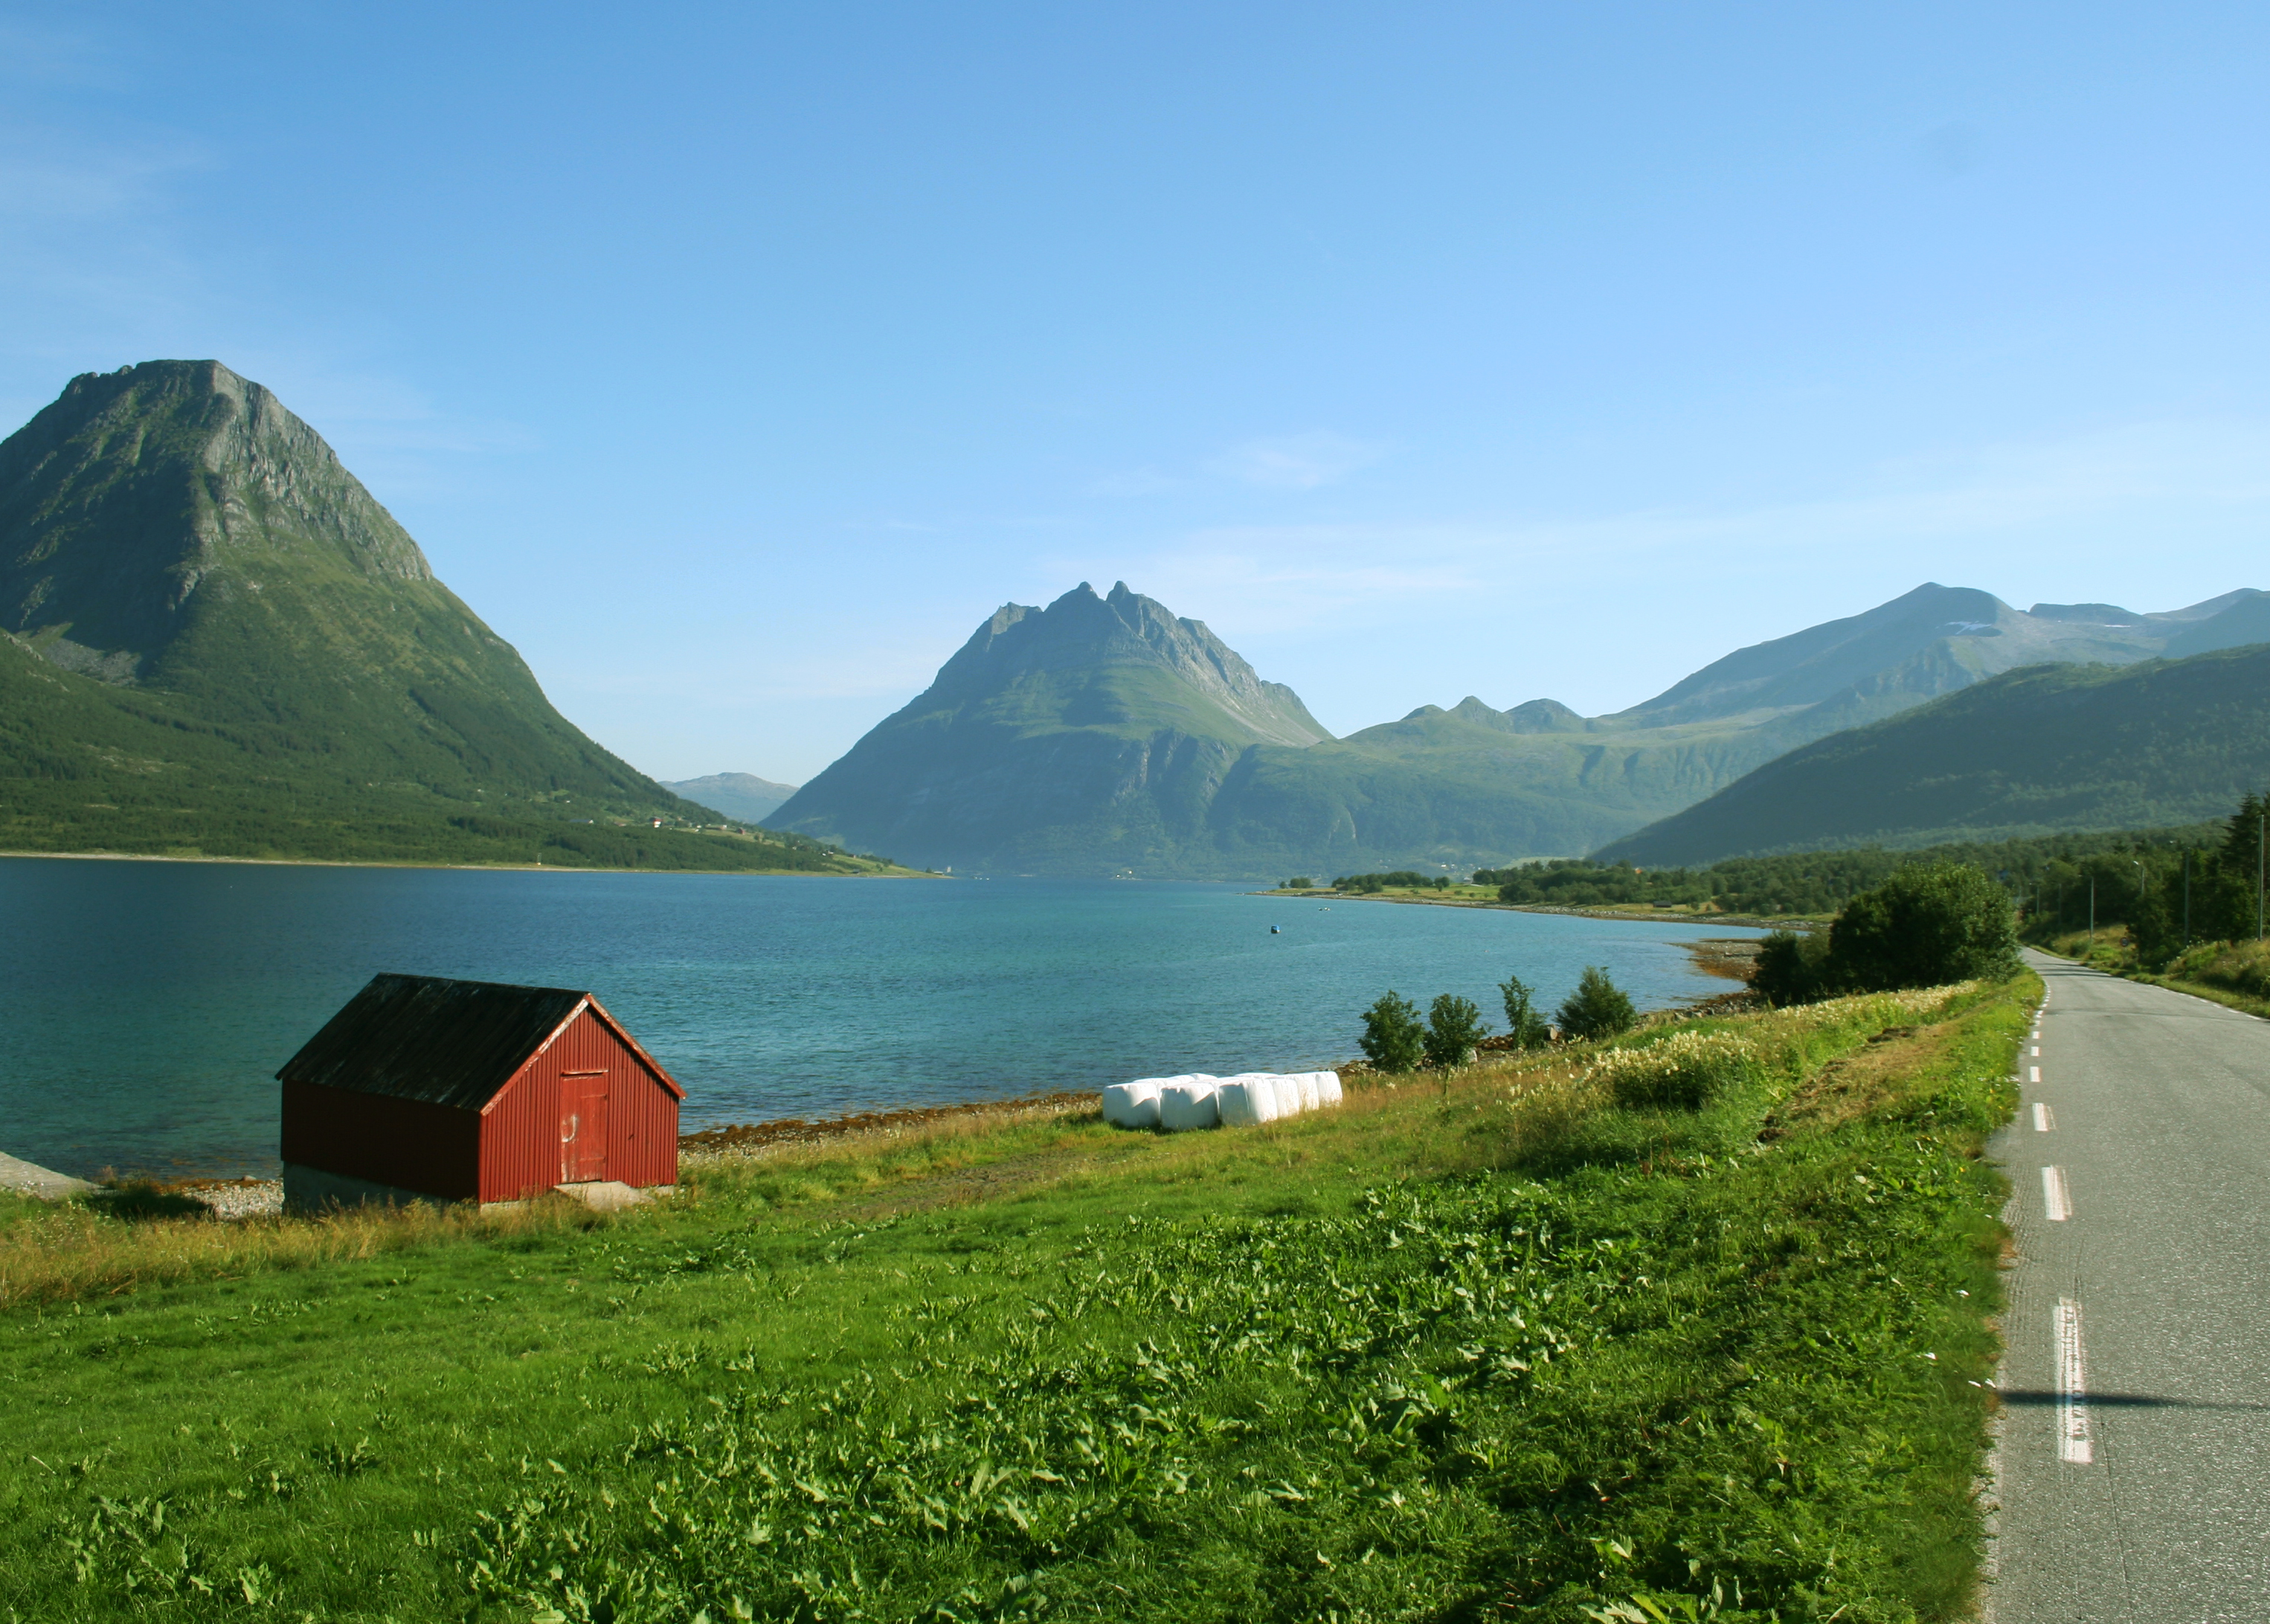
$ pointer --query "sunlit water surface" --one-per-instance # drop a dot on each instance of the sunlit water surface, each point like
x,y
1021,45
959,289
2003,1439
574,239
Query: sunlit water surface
x,y
148,1004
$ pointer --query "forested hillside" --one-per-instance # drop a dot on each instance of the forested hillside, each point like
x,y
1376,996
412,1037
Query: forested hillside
x,y
2035,750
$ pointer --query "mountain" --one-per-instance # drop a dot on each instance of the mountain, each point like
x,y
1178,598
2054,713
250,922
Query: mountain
x,y
1070,741
218,641
1087,737
736,794
2035,751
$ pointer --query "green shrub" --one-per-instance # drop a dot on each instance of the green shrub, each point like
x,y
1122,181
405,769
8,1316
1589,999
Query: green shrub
x,y
1393,1040
1794,967
1454,1031
1925,927
1599,1008
1300,882
1529,1029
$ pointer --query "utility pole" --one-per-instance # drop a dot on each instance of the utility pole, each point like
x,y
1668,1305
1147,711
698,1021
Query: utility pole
x,y
2092,913
2187,899
2261,851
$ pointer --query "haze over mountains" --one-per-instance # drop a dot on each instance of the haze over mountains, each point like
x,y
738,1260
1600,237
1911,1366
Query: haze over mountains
x,y
220,642
738,795
1103,734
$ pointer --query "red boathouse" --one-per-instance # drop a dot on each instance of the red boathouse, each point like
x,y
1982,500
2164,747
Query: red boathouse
x,y
423,1089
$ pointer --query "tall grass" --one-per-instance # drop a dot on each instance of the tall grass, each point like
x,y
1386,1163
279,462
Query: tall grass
x,y
80,1250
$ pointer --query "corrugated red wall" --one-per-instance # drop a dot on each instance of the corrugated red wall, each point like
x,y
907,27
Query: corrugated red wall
x,y
432,1149
520,1143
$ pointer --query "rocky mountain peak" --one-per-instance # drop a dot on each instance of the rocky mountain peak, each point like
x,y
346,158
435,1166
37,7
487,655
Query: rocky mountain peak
x,y
1083,632
139,491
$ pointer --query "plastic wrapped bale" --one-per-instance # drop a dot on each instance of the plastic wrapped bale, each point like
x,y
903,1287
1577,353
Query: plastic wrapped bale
x,y
1306,1082
1189,1104
1288,1095
1135,1104
1247,1100
1327,1089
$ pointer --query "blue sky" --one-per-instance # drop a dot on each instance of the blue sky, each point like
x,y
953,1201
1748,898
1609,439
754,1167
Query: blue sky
x,y
735,361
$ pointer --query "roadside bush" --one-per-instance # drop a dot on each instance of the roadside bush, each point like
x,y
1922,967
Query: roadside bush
x,y
1599,1008
1794,967
1454,1032
1393,1040
1685,1072
1522,1020
1924,927
2235,966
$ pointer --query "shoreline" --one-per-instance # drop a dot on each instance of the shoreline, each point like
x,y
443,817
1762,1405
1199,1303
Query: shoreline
x,y
1719,958
1757,921
468,868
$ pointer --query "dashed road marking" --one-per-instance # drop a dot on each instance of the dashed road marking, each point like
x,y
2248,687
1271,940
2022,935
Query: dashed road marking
x,y
2057,1200
2033,1074
2074,1445
2044,1118
2038,1051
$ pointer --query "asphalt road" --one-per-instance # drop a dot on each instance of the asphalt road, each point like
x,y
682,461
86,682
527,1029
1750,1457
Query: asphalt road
x,y
2133,1469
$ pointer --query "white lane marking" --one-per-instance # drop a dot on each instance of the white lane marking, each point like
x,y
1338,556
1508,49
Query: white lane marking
x,y
2036,1074
2056,1198
2037,1047
2044,1118
2073,1446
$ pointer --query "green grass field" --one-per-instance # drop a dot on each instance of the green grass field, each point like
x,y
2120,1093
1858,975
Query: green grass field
x,y
1462,1346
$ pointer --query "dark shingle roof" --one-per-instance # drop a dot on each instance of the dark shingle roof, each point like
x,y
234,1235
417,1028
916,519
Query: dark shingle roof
x,y
419,1037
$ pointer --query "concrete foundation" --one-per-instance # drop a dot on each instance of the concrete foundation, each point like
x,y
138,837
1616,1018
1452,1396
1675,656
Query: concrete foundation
x,y
30,1179
312,1189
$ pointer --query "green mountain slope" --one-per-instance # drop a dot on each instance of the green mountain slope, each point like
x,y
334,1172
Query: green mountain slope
x,y
2031,752
1090,736
220,642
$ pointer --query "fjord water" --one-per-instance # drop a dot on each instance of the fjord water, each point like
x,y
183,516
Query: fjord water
x,y
149,1005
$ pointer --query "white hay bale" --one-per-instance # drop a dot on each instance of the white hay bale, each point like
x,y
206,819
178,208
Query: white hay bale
x,y
1327,1089
1135,1104
1247,1100
1288,1095
1189,1103
1307,1083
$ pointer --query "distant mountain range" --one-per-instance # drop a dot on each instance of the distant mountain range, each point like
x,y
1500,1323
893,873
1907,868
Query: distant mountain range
x,y
219,643
216,641
738,795
2043,750
1104,735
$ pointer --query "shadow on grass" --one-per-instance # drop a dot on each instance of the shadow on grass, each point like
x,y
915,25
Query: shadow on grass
x,y
136,1200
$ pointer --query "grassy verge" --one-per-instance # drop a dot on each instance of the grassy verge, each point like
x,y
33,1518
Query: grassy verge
x,y
1463,1345
2236,974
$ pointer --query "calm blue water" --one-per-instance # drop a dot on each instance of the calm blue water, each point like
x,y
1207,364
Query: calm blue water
x,y
148,1004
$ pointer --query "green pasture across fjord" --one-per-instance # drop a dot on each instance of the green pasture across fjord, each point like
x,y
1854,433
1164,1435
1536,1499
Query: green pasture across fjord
x,y
1467,1343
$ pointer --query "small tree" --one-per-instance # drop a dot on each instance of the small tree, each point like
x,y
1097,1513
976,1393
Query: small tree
x,y
1528,1027
1454,1031
1599,1008
1926,925
1794,967
1300,882
1393,1040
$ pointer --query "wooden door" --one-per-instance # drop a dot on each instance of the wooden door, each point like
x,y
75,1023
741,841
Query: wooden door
x,y
582,1126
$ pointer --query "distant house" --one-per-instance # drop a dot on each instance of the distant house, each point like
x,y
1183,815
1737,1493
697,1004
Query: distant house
x,y
422,1089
